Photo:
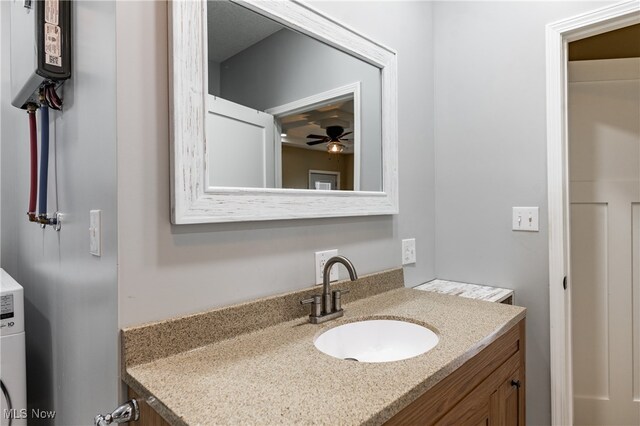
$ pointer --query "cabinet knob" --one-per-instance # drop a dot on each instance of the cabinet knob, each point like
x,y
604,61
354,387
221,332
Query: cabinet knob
x,y
515,383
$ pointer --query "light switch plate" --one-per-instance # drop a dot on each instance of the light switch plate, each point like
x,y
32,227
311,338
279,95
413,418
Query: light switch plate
x,y
321,259
95,230
409,251
526,219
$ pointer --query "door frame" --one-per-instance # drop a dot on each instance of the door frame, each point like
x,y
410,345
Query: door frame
x,y
558,35
314,101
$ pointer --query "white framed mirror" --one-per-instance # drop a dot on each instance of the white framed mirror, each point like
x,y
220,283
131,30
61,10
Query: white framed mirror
x,y
278,112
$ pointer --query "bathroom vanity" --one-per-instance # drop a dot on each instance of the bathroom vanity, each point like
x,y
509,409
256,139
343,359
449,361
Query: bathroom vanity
x,y
256,363
486,390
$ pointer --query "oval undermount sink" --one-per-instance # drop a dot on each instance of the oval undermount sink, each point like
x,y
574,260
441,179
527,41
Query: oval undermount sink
x,y
376,341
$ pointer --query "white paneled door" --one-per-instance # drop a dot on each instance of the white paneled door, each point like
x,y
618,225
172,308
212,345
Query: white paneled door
x,y
604,164
240,147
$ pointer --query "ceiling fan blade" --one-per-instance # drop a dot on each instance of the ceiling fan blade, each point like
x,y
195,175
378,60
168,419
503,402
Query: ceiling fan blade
x,y
316,136
344,134
315,142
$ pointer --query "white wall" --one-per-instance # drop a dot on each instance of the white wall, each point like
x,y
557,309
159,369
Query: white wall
x,y
167,270
491,155
71,302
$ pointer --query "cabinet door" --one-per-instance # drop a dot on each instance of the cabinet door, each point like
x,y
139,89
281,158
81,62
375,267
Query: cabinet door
x,y
473,410
507,402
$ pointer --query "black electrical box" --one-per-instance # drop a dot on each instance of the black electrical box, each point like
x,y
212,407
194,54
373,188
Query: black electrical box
x,y
41,28
53,39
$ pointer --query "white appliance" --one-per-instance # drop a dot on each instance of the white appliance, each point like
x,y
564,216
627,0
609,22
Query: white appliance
x,y
13,377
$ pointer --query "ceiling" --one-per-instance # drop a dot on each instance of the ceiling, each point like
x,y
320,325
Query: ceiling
x,y
298,126
233,28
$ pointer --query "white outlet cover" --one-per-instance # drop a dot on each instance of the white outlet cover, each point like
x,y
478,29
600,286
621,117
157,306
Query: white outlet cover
x,y
321,259
409,251
526,219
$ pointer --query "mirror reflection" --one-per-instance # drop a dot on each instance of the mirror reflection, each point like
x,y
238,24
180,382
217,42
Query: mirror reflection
x,y
286,110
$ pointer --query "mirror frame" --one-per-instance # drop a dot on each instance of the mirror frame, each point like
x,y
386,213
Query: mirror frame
x,y
191,202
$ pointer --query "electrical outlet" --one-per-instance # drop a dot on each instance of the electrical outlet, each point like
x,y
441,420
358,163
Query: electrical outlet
x,y
408,251
321,260
525,219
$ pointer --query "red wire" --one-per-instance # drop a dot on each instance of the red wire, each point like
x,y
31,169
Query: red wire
x,y
34,162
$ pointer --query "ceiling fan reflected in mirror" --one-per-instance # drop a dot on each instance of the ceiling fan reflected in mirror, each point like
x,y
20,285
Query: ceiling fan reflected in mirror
x,y
334,139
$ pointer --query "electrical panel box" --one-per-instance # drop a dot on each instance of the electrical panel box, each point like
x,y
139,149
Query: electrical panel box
x,y
40,47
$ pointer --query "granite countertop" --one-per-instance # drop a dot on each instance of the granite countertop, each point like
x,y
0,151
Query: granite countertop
x,y
275,375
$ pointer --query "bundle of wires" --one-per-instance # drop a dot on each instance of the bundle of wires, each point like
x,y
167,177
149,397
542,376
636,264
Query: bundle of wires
x,y
51,98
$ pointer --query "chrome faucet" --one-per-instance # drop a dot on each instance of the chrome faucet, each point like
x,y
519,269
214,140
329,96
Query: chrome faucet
x,y
328,306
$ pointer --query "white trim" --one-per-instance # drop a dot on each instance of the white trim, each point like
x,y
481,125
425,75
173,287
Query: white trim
x,y
310,102
319,99
558,35
277,151
188,71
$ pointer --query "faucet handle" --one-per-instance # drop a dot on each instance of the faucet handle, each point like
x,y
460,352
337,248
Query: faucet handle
x,y
316,305
337,299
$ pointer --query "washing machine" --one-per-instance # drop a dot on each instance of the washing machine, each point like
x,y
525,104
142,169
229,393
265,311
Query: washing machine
x,y
13,377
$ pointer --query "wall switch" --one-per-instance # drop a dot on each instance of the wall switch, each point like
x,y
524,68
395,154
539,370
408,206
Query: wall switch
x,y
321,260
94,233
526,219
408,251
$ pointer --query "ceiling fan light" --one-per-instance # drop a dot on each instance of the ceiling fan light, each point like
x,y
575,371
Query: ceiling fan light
x,y
335,147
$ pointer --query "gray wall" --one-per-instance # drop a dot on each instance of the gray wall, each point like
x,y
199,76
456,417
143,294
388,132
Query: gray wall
x,y
288,66
214,78
71,296
167,270
491,155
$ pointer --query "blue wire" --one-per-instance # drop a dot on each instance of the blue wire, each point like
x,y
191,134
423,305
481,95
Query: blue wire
x,y
44,159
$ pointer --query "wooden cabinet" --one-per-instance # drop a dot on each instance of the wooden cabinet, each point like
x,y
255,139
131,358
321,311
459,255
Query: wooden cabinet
x,y
507,402
487,390
148,416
